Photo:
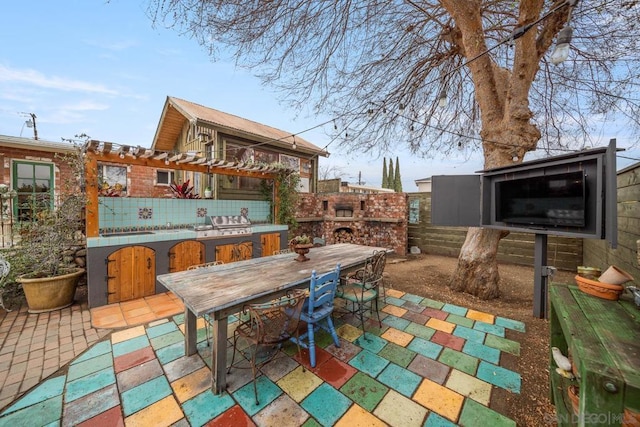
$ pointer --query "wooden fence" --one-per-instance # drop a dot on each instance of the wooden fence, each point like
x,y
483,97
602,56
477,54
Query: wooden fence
x,y
597,253
562,252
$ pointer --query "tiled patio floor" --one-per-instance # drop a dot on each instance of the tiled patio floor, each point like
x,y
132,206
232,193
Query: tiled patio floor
x,y
431,364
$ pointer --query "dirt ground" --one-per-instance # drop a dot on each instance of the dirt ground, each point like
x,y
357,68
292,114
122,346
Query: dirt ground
x,y
427,275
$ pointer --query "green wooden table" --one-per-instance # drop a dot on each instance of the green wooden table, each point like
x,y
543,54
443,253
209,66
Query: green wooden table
x,y
603,339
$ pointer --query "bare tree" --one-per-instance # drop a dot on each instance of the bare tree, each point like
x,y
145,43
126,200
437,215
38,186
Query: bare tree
x,y
330,172
384,69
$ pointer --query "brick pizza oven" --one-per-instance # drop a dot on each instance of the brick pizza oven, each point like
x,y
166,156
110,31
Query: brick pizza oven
x,y
368,219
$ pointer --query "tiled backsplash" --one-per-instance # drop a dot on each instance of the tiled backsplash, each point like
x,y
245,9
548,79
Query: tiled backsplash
x,y
133,212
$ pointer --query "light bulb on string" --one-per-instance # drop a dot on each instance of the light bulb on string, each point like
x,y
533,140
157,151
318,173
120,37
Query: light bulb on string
x,y
442,99
563,46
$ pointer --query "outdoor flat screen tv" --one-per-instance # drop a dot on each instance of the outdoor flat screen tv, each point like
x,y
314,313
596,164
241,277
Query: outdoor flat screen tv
x,y
555,200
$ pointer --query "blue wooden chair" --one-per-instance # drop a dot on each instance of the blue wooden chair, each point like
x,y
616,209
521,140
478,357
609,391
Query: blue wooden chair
x,y
317,310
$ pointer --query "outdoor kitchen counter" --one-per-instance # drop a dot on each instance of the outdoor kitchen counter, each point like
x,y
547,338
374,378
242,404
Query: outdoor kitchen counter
x,y
138,237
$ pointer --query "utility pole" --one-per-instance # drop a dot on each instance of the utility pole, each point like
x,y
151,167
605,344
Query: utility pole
x,y
35,129
31,123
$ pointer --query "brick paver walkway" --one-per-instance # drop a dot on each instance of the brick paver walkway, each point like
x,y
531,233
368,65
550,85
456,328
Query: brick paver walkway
x,y
34,346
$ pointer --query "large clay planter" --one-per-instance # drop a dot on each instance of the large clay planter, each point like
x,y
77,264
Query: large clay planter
x,y
50,293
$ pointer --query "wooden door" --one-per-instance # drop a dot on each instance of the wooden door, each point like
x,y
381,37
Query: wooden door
x,y
270,243
234,252
185,254
131,274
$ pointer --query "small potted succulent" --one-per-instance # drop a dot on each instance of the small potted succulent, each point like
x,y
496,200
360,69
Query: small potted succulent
x,y
207,193
301,245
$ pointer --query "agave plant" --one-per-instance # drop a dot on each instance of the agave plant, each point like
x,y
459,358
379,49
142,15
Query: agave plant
x,y
183,191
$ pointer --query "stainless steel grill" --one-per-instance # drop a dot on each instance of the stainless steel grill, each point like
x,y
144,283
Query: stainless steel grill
x,y
223,226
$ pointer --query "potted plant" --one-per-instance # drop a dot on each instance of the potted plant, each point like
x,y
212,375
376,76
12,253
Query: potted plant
x,y
207,193
47,240
301,245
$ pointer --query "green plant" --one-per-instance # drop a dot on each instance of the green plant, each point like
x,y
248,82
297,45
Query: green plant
x,y
287,183
303,239
47,241
183,191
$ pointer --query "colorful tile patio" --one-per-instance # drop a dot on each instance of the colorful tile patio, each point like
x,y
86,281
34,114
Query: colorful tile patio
x,y
431,364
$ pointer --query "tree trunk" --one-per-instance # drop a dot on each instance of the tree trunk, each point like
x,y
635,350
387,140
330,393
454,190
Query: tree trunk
x,y
477,269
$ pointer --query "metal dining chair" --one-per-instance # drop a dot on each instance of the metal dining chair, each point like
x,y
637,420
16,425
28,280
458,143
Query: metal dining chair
x,y
361,289
207,319
267,326
317,310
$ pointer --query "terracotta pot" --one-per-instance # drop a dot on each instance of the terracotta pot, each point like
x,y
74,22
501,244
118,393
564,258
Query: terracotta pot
x,y
50,293
615,276
599,289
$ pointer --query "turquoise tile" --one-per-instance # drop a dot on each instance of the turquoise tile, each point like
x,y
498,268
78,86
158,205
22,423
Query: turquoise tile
x,y
396,322
372,343
395,301
435,420
516,325
455,309
48,389
268,391
421,331
89,383
499,376
369,363
469,334
162,329
482,351
90,366
144,395
491,329
424,347
128,346
402,380
41,414
170,352
206,406
167,339
316,404
413,298
97,350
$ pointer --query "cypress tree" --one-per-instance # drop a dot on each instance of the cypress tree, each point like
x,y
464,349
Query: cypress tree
x,y
397,181
385,178
391,175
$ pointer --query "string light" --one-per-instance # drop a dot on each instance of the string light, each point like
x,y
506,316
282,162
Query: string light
x,y
563,46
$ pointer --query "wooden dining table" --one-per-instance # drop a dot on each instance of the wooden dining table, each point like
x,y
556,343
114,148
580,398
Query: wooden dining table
x,y
223,290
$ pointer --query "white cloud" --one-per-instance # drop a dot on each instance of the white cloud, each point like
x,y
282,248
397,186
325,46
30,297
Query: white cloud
x,y
36,78
85,106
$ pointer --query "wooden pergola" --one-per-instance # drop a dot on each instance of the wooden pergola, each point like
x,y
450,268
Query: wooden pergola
x,y
98,151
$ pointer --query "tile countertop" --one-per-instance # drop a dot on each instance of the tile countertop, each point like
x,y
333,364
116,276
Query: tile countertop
x,y
161,235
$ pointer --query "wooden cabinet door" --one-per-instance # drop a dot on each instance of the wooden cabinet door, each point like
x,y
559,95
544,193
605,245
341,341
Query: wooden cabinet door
x,y
131,274
185,254
234,252
270,243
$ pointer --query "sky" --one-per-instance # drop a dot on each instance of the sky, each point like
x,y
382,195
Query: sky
x,y
88,66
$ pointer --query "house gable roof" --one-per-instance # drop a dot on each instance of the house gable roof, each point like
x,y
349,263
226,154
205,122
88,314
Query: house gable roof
x,y
177,112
